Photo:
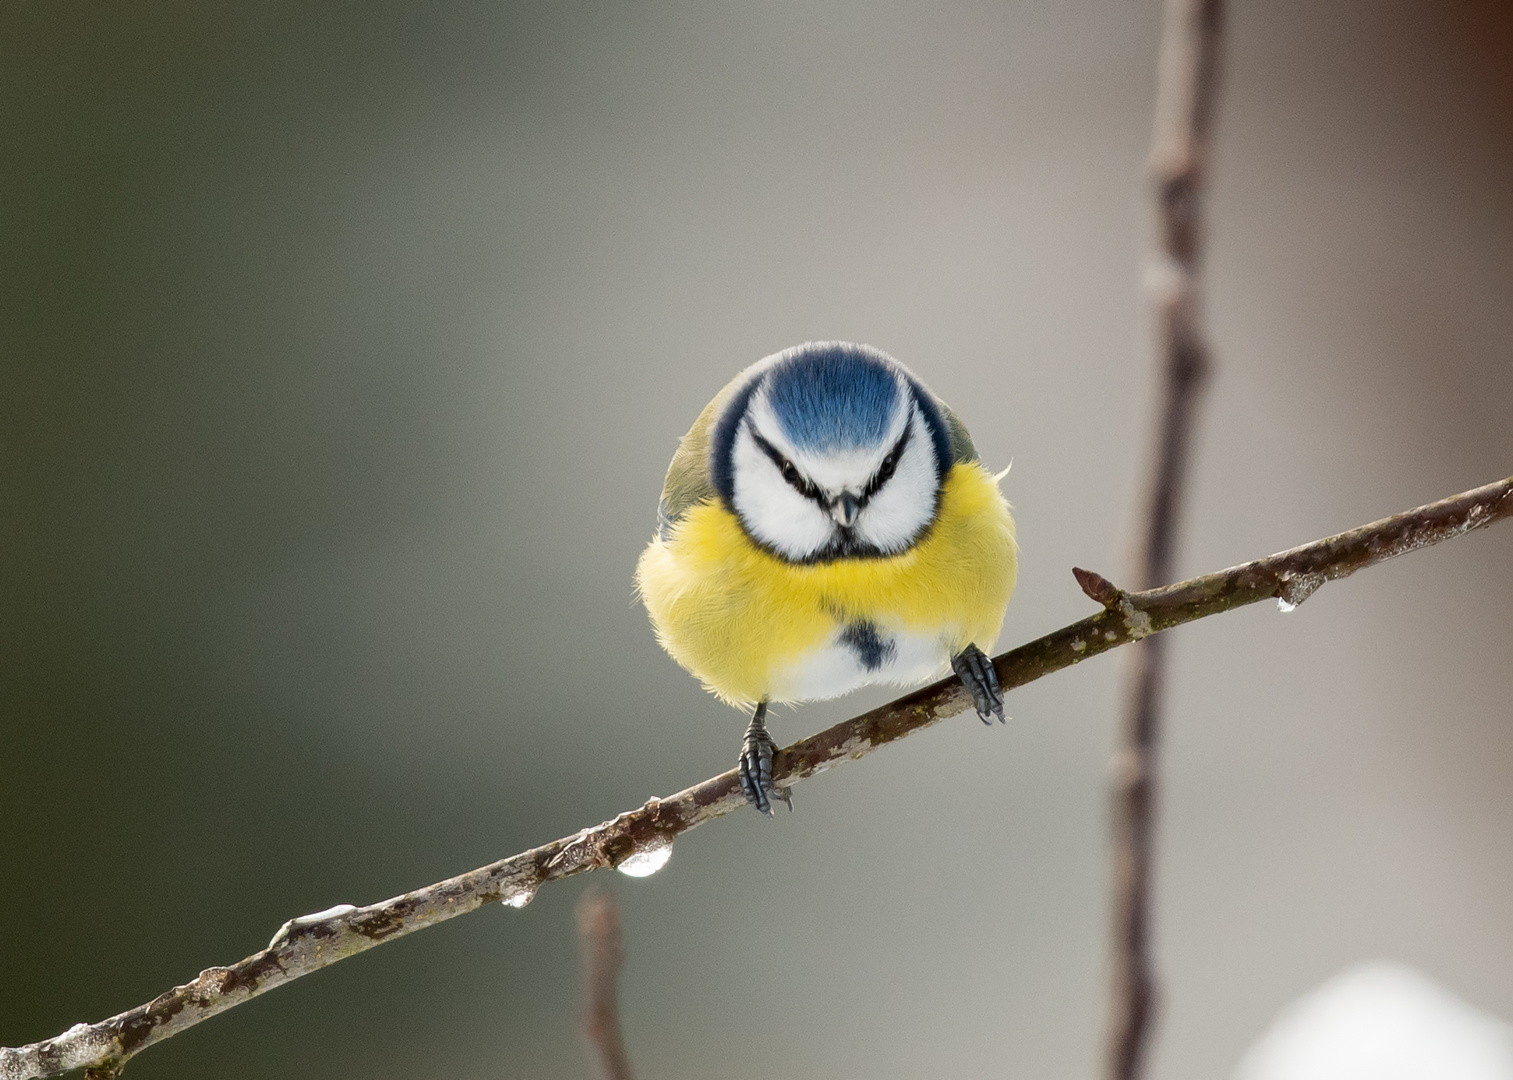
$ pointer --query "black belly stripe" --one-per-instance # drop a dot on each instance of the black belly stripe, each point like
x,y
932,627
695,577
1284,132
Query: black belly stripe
x,y
871,648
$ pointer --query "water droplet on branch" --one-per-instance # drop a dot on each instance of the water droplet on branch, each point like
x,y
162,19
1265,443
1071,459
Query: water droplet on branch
x,y
647,861
520,897
1298,587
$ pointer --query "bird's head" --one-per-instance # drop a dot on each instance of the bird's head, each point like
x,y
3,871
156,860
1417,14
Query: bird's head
x,y
831,450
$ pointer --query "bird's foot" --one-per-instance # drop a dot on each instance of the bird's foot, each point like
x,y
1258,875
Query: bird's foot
x,y
756,765
981,680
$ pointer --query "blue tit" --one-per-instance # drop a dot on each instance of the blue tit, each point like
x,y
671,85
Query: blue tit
x,y
825,525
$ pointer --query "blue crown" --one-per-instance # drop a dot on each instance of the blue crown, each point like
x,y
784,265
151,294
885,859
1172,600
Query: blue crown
x,y
833,395
826,395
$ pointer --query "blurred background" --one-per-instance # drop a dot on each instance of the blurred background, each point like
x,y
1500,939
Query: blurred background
x,y
345,345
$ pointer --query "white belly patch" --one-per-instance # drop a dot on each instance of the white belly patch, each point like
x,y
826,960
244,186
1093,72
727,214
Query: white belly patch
x,y
862,654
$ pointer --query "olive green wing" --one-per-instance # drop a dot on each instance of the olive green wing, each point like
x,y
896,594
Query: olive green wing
x,y
962,449
688,483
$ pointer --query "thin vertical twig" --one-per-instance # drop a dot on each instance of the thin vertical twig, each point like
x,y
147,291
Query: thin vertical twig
x,y
599,944
1184,118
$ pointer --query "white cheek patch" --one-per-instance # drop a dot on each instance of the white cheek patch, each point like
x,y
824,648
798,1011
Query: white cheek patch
x,y
902,507
771,509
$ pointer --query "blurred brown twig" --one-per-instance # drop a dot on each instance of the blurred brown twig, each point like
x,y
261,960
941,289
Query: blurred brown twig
x,y
315,941
1184,118
599,945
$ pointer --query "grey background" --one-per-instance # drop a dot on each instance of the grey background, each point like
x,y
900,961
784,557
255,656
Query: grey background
x,y
343,350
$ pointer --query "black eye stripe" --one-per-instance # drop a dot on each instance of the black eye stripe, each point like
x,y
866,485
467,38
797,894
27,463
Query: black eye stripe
x,y
787,469
796,480
890,463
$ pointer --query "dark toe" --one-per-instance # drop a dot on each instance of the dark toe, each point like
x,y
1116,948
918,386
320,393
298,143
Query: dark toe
x,y
995,693
980,679
756,774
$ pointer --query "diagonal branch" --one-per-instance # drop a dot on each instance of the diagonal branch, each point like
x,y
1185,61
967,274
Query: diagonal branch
x,y
312,942
1184,123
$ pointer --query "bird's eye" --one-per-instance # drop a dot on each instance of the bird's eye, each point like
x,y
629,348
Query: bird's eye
x,y
790,473
885,470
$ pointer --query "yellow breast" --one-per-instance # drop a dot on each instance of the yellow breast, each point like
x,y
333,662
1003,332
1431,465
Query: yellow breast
x,y
738,618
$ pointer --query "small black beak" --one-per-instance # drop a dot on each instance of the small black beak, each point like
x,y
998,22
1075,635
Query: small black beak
x,y
844,508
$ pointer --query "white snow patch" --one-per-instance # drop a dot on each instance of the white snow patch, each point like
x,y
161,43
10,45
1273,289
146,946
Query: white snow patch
x,y
322,916
309,920
1381,1021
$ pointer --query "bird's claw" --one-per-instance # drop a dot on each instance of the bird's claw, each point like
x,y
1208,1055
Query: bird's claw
x,y
981,680
755,766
